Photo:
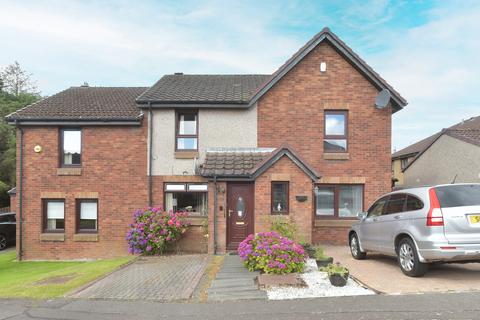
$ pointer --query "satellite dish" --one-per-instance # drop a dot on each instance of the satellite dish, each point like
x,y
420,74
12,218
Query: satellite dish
x,y
383,98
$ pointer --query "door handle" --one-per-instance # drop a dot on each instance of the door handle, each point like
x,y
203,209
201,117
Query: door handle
x,y
229,213
375,219
397,217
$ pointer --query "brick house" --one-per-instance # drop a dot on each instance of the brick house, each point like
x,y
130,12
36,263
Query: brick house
x,y
306,142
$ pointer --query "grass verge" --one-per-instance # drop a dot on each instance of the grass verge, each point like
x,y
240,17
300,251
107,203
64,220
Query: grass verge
x,y
49,279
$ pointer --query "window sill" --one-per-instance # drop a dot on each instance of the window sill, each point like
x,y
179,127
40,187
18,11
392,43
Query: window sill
x,y
334,222
69,171
54,237
186,154
85,237
336,156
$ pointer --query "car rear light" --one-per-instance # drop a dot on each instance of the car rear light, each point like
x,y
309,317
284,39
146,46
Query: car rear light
x,y
435,215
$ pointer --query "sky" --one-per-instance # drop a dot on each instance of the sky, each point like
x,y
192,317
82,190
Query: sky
x,y
428,50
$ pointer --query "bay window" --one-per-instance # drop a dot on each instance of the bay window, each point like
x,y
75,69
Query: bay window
x,y
188,197
338,201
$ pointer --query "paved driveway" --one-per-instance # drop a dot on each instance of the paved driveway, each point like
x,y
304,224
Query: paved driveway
x,y
168,278
383,274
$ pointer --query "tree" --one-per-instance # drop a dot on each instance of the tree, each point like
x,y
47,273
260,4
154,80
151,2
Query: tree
x,y
17,91
15,80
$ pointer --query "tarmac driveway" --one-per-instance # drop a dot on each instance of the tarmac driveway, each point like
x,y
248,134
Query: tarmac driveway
x,y
383,274
166,278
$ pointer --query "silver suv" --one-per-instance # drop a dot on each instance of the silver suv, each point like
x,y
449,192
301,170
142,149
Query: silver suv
x,y
421,226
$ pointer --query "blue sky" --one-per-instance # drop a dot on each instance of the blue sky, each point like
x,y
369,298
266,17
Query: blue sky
x,y
428,50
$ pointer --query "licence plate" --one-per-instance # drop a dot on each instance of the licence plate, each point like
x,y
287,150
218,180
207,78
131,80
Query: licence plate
x,y
474,219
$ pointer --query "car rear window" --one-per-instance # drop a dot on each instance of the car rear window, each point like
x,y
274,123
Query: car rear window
x,y
458,195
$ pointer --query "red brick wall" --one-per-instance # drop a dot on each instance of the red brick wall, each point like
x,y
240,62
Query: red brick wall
x,y
221,217
333,235
113,165
292,112
300,213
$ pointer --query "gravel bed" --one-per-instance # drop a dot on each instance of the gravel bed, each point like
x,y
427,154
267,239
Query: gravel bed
x,y
318,286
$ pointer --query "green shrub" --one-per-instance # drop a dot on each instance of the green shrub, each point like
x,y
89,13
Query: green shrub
x,y
285,227
335,268
319,253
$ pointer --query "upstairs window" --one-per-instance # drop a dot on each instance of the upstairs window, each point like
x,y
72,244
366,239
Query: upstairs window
x,y
280,197
71,147
54,215
187,131
335,135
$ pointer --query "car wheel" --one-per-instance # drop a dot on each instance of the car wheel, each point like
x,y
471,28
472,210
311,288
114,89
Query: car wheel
x,y
408,259
3,242
355,248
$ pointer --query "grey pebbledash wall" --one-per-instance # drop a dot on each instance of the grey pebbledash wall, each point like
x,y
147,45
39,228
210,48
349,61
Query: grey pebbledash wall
x,y
217,128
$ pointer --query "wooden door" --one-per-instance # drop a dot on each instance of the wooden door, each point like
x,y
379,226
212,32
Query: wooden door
x,y
240,212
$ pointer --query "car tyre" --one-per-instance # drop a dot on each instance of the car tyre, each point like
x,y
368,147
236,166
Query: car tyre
x,y
408,259
3,242
355,248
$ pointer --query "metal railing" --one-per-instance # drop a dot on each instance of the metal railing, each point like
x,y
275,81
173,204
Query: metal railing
x,y
5,210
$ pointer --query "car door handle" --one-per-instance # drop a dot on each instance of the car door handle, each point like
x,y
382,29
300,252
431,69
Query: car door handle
x,y
397,217
375,219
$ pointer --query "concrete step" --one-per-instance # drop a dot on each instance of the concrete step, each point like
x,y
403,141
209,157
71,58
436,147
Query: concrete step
x,y
233,290
244,295
222,283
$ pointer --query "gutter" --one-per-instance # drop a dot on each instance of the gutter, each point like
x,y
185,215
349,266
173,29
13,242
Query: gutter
x,y
20,197
150,139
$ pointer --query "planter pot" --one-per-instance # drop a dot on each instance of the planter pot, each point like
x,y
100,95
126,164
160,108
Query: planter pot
x,y
325,262
338,280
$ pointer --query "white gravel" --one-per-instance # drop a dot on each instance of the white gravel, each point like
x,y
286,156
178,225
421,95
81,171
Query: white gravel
x,y
318,286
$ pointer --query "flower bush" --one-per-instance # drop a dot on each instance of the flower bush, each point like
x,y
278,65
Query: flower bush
x,y
152,229
271,253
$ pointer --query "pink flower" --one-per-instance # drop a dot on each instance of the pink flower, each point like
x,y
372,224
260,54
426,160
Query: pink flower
x,y
170,222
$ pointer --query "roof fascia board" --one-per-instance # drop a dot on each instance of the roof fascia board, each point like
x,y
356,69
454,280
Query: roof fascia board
x,y
277,157
74,123
196,105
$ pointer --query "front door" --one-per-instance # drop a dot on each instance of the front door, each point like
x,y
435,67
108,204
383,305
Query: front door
x,y
240,211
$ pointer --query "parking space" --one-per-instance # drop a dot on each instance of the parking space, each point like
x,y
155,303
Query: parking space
x,y
166,278
383,274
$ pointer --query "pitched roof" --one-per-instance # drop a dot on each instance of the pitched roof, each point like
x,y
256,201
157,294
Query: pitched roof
x,y
467,131
249,163
202,89
420,146
84,104
326,35
233,162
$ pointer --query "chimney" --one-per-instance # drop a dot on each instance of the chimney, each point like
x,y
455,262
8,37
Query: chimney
x,y
85,84
178,73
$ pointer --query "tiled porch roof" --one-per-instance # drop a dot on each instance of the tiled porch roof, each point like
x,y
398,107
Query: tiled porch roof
x,y
249,163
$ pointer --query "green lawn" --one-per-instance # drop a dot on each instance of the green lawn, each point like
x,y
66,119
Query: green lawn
x,y
40,280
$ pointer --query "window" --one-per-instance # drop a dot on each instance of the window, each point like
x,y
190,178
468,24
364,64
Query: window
x,y
280,197
71,147
87,215
404,163
377,208
413,203
190,197
395,203
186,131
335,135
339,201
53,215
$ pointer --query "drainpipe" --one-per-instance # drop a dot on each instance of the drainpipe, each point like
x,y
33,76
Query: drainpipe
x,y
150,139
20,195
215,210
